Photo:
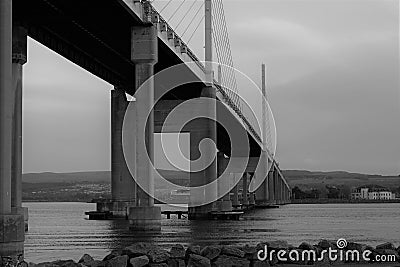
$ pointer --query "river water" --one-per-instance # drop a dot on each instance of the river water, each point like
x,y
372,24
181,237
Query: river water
x,y
60,230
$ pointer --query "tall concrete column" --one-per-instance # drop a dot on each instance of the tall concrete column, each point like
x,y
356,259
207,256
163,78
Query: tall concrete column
x,y
123,187
144,217
19,58
262,193
235,196
252,195
271,188
224,203
11,225
245,190
203,128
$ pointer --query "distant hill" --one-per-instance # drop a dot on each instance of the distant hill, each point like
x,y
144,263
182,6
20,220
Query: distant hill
x,y
314,179
73,177
294,177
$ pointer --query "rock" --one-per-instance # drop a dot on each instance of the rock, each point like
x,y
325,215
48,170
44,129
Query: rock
x,y
192,250
230,261
119,261
198,261
163,264
113,254
386,245
277,245
85,258
325,244
356,246
258,263
177,252
250,252
59,263
232,251
47,264
138,249
306,246
211,252
176,263
139,261
96,263
158,255
295,256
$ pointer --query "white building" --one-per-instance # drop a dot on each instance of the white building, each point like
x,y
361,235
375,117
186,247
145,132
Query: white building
x,y
372,194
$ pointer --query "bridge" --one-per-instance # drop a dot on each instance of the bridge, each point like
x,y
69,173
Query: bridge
x,y
127,43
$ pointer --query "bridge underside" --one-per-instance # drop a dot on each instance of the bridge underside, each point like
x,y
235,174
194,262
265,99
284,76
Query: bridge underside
x,y
98,37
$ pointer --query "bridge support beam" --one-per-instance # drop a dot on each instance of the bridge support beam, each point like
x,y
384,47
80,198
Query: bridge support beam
x,y
252,195
262,193
12,234
224,203
145,216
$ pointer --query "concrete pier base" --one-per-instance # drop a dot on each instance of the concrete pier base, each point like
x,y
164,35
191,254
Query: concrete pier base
x,y
117,209
224,205
12,235
145,219
24,212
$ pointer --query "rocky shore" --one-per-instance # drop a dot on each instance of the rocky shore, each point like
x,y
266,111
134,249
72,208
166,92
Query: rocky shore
x,y
145,254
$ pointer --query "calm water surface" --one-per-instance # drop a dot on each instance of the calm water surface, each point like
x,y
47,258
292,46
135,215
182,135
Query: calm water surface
x,y
60,230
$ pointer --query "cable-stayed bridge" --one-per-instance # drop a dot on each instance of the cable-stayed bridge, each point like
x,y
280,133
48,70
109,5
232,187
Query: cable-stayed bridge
x,y
131,46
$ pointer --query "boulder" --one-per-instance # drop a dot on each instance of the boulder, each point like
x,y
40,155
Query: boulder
x,y
85,258
177,252
279,244
119,261
163,264
356,246
96,263
325,244
386,245
139,261
113,254
158,255
138,249
306,246
211,252
230,261
192,250
176,263
258,263
232,251
198,261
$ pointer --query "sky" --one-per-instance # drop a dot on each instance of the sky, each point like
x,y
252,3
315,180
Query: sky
x,y
332,82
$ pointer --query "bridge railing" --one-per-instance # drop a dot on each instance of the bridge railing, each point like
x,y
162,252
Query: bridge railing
x,y
151,15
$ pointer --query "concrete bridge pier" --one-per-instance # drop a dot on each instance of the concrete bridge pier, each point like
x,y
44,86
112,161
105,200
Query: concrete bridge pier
x,y
145,216
245,191
19,58
252,195
271,190
123,187
203,128
262,193
235,197
12,234
224,203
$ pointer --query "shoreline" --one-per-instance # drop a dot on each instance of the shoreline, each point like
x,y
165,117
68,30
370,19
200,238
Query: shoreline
x,y
148,254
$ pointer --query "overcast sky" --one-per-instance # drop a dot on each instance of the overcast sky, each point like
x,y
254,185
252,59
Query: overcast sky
x,y
333,84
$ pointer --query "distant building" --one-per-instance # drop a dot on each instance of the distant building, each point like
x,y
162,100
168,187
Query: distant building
x,y
372,193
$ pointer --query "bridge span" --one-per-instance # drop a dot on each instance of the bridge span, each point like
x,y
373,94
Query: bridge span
x,y
124,42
